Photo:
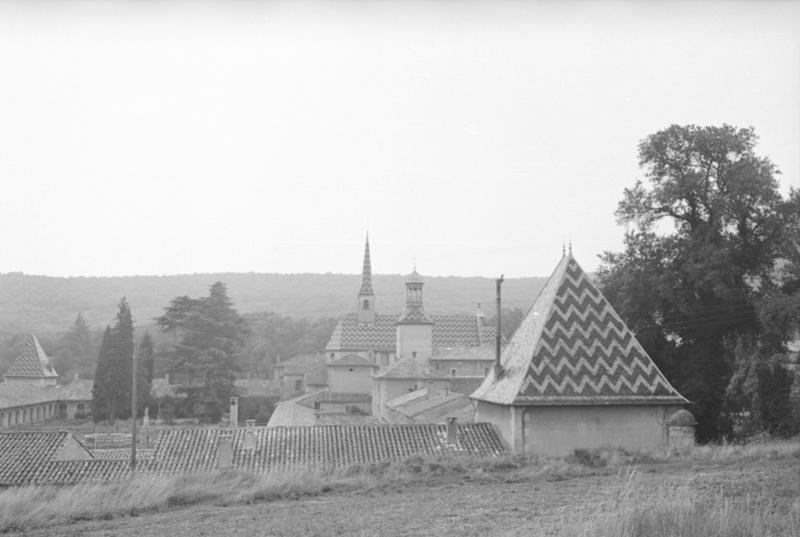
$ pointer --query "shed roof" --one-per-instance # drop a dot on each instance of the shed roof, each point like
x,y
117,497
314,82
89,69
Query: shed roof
x,y
282,448
31,362
351,360
573,348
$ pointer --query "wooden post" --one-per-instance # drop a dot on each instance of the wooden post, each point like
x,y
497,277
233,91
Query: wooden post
x,y
133,410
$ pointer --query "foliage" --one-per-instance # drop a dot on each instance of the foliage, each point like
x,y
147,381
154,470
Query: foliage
x,y
74,351
257,408
47,305
511,318
204,361
273,336
111,393
699,266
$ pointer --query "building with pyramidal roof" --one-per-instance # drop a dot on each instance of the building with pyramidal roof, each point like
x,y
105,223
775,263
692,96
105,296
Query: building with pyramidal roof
x,y
32,365
574,376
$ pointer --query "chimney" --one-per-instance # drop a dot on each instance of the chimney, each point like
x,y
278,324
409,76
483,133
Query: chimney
x,y
452,431
479,323
234,417
249,435
224,451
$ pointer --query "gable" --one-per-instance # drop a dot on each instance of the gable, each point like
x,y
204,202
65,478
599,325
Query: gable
x,y
573,348
31,362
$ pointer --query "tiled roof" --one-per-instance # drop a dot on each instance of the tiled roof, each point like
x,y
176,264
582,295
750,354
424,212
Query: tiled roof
x,y
124,454
83,471
351,360
573,348
31,362
433,406
484,353
297,365
409,368
15,395
25,455
454,330
282,448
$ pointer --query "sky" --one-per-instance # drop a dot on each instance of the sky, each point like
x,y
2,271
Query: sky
x,y
470,138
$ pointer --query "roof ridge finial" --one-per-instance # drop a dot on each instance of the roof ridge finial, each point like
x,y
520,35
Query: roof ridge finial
x,y
563,247
570,244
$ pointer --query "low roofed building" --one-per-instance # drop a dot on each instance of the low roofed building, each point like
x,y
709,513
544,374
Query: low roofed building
x,y
574,376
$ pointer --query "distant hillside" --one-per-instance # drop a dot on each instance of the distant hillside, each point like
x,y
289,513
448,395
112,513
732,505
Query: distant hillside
x,y
44,304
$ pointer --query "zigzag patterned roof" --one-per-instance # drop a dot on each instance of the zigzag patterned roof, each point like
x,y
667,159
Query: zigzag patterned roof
x,y
32,362
573,348
448,331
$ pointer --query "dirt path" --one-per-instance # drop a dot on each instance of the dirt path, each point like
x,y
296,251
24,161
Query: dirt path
x,y
460,509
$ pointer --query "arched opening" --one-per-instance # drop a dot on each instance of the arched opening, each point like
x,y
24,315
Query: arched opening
x,y
365,304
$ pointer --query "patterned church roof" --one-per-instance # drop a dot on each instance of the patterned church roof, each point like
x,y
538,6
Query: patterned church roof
x,y
31,362
573,348
366,273
448,331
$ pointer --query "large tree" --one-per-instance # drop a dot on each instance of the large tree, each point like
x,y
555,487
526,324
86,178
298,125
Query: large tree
x,y
707,226
112,380
211,336
74,351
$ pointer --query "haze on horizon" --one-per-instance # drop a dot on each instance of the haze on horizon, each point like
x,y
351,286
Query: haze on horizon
x,y
472,138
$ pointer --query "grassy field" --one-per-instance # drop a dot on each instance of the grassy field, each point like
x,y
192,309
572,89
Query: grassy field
x,y
715,491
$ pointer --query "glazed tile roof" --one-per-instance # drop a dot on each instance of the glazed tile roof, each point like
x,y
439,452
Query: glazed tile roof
x,y
19,394
484,353
32,362
573,348
284,448
409,368
455,330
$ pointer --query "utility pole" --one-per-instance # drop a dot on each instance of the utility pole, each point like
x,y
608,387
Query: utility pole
x,y
133,409
498,336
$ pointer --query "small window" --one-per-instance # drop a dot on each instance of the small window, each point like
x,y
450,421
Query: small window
x,y
365,305
298,385
333,355
414,354
452,372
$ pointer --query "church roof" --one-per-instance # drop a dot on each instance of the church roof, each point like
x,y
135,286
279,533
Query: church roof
x,y
454,330
573,348
366,273
31,362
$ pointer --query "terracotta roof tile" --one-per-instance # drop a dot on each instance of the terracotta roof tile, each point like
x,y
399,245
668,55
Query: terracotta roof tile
x,y
283,448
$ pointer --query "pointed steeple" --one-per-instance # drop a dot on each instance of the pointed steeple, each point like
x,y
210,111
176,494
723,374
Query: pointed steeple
x,y
366,272
366,296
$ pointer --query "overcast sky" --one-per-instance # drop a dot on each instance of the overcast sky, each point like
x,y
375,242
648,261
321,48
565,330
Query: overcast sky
x,y
163,138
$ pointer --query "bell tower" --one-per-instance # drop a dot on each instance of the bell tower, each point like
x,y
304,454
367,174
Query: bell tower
x,y
414,327
366,296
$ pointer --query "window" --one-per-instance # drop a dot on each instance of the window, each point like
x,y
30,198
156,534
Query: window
x,y
414,354
333,355
365,305
452,372
485,371
298,385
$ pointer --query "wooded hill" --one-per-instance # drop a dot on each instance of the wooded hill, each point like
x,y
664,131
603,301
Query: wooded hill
x,y
48,305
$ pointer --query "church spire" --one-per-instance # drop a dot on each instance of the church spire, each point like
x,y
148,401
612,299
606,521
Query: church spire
x,y
366,296
366,272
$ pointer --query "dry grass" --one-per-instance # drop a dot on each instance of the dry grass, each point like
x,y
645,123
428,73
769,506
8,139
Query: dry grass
x,y
631,511
673,511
